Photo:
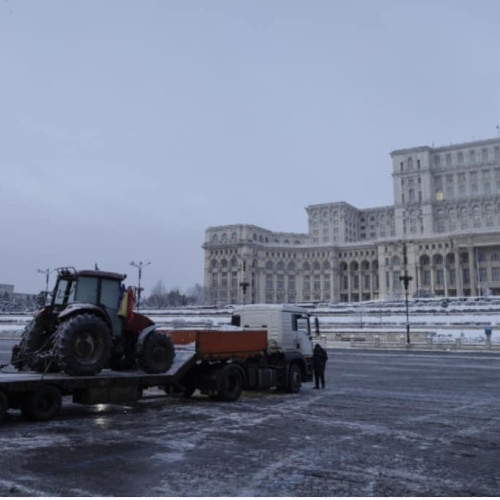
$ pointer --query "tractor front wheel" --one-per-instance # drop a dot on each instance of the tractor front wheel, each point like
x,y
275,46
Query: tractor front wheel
x,y
155,353
83,344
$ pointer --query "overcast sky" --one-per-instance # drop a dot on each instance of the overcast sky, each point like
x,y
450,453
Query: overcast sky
x,y
127,127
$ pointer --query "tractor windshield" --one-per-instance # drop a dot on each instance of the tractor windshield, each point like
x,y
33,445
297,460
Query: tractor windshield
x,y
64,291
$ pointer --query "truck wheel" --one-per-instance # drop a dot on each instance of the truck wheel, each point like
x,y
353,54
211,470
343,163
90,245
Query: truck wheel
x,y
4,405
83,344
230,384
42,404
294,379
156,353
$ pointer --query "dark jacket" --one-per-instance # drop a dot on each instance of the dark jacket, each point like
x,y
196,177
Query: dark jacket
x,y
320,357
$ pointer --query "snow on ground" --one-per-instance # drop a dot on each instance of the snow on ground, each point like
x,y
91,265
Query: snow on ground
x,y
464,318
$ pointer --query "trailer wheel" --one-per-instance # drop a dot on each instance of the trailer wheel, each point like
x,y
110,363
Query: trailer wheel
x,y
4,405
294,379
188,389
83,344
156,354
42,404
230,384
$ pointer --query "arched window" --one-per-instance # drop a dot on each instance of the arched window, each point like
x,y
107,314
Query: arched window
x,y
396,261
291,266
280,266
269,265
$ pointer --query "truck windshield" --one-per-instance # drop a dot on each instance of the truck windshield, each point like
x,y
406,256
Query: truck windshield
x,y
300,322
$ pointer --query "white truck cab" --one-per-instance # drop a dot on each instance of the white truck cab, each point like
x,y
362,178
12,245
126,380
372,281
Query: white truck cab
x,y
288,326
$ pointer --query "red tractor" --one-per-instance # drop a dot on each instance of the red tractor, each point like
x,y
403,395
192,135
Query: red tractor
x,y
90,325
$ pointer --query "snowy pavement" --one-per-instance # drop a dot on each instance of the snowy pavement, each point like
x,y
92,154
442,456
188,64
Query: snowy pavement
x,y
388,424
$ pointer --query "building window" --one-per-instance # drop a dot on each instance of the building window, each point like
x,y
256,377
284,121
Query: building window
x,y
472,157
356,282
395,280
484,155
453,277
269,281
495,274
482,275
440,277
460,158
466,276
427,278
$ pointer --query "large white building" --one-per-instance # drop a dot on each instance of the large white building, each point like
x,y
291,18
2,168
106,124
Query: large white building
x,y
445,218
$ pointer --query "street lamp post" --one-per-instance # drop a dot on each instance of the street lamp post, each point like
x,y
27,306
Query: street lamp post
x,y
406,280
47,273
244,284
139,268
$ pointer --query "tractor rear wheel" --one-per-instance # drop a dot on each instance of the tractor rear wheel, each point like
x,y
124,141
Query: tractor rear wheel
x,y
83,344
42,404
156,354
33,343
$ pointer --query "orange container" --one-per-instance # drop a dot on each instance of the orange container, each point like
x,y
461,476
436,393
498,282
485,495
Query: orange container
x,y
221,344
226,344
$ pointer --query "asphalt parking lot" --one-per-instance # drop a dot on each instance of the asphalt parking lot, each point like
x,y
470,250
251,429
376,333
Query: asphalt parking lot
x,y
388,424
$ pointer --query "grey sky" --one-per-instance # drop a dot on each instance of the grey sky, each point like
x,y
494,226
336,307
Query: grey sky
x,y
128,127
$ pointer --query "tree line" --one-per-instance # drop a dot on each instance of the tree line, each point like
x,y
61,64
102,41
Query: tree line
x,y
160,297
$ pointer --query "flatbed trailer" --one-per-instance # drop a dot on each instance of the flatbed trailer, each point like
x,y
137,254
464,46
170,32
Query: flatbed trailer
x,y
218,363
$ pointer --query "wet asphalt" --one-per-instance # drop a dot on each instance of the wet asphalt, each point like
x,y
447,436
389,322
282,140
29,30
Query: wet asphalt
x,y
387,424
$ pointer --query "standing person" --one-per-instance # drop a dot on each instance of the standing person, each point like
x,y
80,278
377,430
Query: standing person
x,y
320,357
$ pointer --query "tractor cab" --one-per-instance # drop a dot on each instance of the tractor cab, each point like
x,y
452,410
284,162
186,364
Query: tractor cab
x,y
76,289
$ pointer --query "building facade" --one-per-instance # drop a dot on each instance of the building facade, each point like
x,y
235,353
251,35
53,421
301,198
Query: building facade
x,y
443,230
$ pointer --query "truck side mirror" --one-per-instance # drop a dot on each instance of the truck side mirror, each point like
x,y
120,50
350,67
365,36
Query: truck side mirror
x,y
316,325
